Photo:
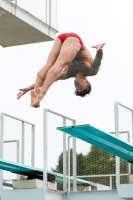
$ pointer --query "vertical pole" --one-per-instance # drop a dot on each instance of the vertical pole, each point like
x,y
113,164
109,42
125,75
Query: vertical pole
x,y
33,146
44,152
69,164
46,11
18,155
117,134
16,3
49,16
1,151
64,158
22,145
132,129
129,140
18,150
74,162
110,180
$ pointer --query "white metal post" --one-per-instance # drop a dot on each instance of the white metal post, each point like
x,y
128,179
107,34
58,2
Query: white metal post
x,y
69,184
110,182
33,146
132,128
44,152
117,134
69,164
74,162
1,150
22,144
49,14
46,12
64,158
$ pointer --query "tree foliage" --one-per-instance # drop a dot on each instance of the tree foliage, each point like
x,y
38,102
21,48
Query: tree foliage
x,y
95,162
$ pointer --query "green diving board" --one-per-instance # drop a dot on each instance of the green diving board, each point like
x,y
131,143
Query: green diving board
x,y
36,173
59,179
101,139
17,168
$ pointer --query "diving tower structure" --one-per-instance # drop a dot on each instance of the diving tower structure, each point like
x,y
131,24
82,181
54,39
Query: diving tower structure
x,y
109,143
19,24
61,137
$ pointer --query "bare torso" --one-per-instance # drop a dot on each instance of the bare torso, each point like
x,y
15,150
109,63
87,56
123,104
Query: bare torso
x,y
82,63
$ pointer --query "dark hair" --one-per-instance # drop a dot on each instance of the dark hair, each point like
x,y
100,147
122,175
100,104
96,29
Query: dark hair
x,y
83,93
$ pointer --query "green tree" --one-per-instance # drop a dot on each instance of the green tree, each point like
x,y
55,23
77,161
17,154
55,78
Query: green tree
x,y
80,158
100,162
95,162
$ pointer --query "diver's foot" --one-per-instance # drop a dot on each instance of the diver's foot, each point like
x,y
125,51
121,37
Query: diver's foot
x,y
40,95
33,97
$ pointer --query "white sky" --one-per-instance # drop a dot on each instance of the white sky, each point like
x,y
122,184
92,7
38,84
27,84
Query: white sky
x,y
96,22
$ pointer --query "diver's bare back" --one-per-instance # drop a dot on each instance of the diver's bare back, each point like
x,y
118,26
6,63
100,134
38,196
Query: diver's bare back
x,y
82,63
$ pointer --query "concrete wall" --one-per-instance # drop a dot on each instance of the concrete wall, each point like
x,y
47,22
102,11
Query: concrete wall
x,y
97,195
37,194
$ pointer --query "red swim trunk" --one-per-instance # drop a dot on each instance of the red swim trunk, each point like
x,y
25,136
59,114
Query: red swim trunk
x,y
64,36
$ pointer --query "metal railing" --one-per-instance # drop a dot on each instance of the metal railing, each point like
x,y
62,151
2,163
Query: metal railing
x,y
47,10
117,106
2,132
45,151
103,175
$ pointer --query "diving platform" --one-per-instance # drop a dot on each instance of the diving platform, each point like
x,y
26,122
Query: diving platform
x,y
60,186
19,27
108,143
36,173
101,139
